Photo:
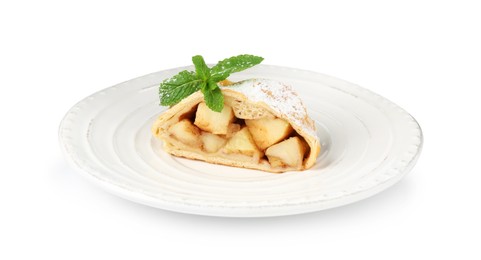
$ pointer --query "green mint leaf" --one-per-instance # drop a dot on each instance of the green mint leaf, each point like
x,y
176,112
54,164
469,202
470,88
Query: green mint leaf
x,y
213,98
212,84
201,69
224,68
180,86
203,85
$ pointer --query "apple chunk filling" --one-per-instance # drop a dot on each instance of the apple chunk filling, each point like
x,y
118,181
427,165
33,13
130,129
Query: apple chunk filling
x,y
289,152
211,142
268,131
243,143
214,122
265,140
186,132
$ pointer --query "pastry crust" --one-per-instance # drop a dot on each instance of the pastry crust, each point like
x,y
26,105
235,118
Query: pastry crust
x,y
250,99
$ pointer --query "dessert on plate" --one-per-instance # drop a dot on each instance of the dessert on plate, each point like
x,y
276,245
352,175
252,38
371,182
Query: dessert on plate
x,y
255,123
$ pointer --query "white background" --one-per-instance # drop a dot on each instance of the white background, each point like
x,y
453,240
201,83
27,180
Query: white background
x,y
423,55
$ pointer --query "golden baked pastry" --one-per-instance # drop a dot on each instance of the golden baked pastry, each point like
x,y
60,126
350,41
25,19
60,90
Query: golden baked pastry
x,y
263,125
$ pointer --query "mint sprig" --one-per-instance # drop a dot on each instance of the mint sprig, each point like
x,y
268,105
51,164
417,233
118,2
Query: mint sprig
x,y
224,68
205,79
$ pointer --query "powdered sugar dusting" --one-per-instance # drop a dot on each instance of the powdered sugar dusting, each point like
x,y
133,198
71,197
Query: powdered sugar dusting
x,y
278,96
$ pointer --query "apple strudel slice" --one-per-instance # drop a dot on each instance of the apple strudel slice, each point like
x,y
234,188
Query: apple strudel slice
x,y
264,125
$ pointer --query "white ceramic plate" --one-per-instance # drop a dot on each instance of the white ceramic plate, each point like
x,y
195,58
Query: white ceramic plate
x,y
368,144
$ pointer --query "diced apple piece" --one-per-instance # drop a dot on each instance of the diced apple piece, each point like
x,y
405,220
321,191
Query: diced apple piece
x,y
186,132
242,143
213,122
276,162
211,142
287,153
268,131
